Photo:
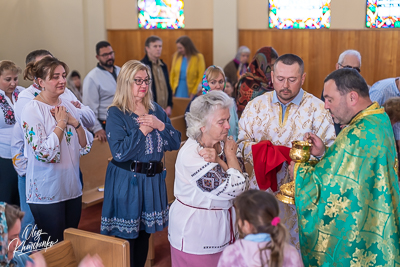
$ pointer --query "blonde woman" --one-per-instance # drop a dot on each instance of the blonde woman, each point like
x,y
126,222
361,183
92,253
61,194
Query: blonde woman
x,y
138,132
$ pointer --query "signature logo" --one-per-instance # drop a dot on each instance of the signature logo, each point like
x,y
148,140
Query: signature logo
x,y
36,243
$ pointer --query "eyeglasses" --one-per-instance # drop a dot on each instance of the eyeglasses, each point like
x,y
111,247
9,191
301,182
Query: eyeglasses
x,y
350,67
107,54
140,81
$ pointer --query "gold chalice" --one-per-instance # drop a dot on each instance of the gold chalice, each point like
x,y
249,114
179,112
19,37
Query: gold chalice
x,y
299,153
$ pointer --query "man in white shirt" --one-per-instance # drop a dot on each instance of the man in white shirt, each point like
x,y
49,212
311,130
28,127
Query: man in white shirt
x,y
99,87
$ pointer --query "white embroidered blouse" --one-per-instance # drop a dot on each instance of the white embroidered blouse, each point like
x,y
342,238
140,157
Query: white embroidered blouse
x,y
201,219
7,121
52,173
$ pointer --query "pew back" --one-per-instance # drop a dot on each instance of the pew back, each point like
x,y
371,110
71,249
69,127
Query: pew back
x,y
94,166
77,244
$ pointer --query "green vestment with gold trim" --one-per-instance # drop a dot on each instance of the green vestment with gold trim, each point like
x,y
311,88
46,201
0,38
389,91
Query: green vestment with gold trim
x,y
348,203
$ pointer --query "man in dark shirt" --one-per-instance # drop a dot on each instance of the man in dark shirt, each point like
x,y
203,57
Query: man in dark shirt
x,y
162,92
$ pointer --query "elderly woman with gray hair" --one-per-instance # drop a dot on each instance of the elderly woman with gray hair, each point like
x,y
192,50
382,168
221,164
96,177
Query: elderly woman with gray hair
x,y
238,66
208,176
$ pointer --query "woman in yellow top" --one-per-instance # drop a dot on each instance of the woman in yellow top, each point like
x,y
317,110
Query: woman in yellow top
x,y
187,68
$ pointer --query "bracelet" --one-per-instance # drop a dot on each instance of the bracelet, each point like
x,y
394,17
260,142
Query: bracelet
x,y
62,130
64,120
77,127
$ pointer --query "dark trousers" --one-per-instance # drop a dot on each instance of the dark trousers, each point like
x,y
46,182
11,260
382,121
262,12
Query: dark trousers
x,y
54,218
139,248
8,182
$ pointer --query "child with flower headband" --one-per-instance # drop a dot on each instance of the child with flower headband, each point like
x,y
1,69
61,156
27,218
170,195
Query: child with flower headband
x,y
264,242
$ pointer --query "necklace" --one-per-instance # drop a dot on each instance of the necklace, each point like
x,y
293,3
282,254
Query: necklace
x,y
47,102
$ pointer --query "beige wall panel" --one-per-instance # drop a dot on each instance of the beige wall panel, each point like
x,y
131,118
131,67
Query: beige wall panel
x,y
348,14
225,31
121,14
252,14
57,26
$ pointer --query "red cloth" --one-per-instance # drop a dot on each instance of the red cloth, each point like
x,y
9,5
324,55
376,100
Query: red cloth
x,y
268,160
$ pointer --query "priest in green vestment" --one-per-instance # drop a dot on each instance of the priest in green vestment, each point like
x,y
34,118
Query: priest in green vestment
x,y
348,203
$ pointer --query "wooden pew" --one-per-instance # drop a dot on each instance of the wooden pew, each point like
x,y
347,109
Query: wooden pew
x,y
77,244
94,166
180,105
179,124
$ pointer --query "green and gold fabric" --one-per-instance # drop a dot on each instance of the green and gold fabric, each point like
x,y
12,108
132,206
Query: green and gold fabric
x,y
348,203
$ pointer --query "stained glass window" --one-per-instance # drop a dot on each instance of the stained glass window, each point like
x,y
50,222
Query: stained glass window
x,y
161,14
383,14
299,14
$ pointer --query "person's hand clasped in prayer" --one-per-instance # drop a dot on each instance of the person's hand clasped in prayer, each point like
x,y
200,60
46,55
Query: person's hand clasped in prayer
x,y
150,122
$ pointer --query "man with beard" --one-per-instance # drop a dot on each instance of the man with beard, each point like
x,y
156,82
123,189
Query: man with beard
x,y
282,116
348,203
99,87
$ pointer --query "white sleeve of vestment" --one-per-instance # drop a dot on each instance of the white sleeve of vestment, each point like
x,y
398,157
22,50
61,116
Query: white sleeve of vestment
x,y
86,114
246,135
91,98
323,127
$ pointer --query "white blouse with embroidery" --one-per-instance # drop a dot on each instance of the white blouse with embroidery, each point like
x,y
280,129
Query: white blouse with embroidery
x,y
7,121
201,218
52,173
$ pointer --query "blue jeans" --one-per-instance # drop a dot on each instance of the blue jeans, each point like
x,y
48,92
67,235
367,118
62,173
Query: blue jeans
x,y
27,220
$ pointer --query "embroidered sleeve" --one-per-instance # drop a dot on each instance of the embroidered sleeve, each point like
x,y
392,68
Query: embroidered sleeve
x,y
246,136
124,143
45,148
89,141
223,185
17,150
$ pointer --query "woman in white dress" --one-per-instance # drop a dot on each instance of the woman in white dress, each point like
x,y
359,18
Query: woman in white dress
x,y
9,91
54,142
208,176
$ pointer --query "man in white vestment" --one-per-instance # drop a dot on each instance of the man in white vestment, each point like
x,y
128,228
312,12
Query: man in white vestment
x,y
282,116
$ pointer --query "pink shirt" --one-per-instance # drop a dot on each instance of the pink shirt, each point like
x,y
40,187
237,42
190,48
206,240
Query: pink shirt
x,y
247,253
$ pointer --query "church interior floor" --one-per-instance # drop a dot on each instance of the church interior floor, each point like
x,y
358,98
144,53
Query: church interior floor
x,y
90,221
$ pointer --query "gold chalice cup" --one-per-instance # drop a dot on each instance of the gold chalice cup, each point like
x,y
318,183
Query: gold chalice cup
x,y
299,153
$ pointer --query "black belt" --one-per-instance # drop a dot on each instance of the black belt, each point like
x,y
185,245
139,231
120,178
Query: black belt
x,y
148,168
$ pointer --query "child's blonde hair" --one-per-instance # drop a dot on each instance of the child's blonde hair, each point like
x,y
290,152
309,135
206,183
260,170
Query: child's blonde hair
x,y
260,208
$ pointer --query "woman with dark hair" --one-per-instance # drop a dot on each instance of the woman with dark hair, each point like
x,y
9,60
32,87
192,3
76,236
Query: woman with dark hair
x,y
9,91
54,141
187,68
257,80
